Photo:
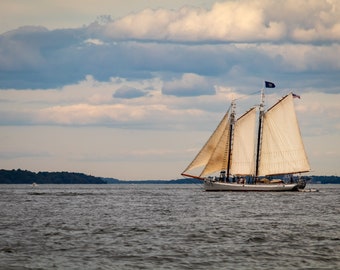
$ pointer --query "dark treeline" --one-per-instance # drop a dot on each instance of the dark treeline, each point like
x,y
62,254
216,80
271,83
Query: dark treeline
x,y
27,177
325,179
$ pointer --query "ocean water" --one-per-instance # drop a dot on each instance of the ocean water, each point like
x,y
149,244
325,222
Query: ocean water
x,y
167,227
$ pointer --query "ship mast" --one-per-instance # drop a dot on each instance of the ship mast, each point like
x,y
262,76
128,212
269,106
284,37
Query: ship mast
x,y
231,129
258,147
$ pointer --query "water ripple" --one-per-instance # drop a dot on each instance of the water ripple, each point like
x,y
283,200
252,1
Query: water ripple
x,y
166,227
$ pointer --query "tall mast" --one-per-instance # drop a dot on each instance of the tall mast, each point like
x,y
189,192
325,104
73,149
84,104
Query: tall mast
x,y
258,147
231,128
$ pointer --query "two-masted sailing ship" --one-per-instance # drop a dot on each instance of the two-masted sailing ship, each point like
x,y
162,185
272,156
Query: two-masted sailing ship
x,y
259,151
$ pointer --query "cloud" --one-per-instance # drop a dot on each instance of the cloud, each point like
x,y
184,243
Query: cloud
x,y
90,103
128,92
56,14
188,85
322,112
234,21
86,114
94,41
219,43
141,116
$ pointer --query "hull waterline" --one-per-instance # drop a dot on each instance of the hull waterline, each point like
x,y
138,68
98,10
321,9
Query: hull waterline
x,y
222,186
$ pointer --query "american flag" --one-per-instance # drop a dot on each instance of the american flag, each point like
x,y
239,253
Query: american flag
x,y
296,96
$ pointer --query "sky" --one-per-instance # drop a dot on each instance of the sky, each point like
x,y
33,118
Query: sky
x,y
133,89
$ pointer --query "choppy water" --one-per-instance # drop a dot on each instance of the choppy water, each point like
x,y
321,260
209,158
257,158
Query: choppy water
x,y
167,227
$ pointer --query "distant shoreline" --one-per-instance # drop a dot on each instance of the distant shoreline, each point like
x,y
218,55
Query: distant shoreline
x,y
19,176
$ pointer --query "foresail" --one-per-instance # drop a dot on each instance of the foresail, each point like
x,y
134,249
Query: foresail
x,y
282,149
243,149
208,149
219,158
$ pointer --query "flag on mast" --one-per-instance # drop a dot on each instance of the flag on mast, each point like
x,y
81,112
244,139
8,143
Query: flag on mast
x,y
269,84
296,96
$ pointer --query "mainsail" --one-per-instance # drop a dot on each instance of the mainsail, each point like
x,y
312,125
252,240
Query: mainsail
x,y
243,149
282,150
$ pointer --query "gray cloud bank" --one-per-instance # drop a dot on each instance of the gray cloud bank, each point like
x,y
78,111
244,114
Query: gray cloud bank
x,y
128,92
234,39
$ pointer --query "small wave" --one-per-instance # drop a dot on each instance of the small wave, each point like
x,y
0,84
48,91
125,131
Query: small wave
x,y
7,250
37,193
257,239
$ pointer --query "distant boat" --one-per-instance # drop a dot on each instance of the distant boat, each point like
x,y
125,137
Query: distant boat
x,y
250,151
34,184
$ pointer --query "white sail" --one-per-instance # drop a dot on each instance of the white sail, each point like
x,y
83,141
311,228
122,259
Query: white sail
x,y
203,157
282,150
243,149
219,157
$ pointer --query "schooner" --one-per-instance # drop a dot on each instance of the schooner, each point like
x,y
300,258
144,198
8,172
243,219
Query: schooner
x,y
253,149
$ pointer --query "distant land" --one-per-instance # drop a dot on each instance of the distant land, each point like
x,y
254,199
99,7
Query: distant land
x,y
27,177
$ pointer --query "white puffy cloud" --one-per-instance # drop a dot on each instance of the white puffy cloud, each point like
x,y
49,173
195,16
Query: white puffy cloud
x,y
56,14
235,21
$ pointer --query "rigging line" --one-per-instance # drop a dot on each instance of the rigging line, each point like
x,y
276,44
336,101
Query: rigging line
x,y
246,95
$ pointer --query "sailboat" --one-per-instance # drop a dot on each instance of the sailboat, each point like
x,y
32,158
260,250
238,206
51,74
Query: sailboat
x,y
259,151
